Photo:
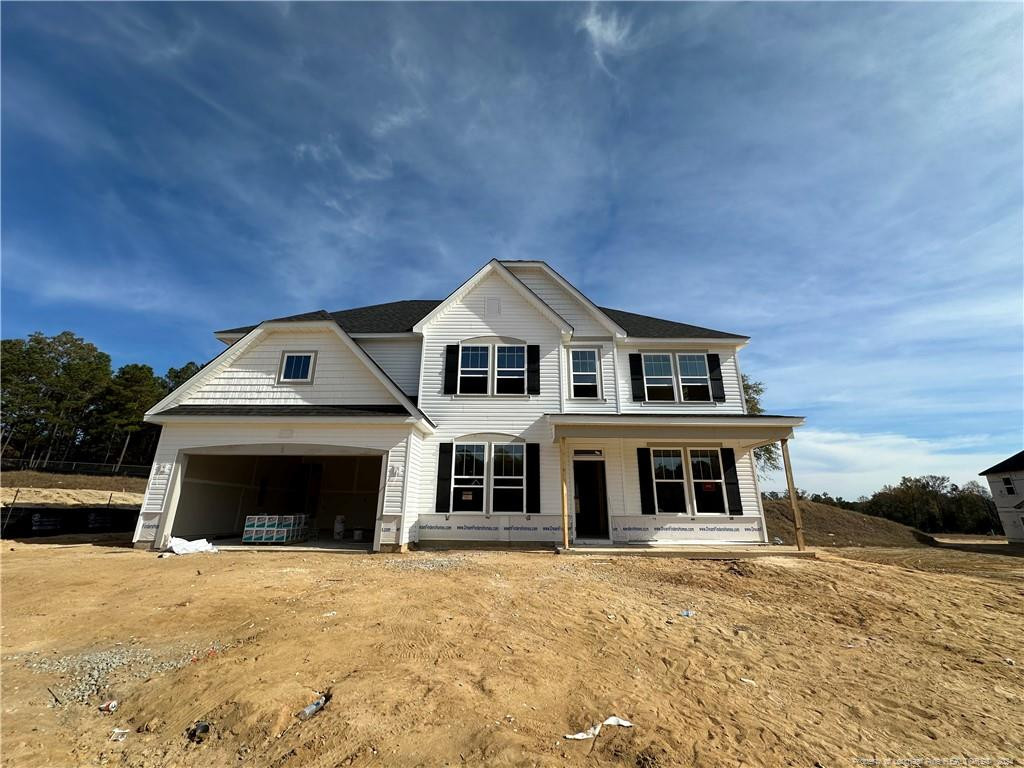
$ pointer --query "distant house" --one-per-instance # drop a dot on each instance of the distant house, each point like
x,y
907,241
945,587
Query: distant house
x,y
515,410
1006,480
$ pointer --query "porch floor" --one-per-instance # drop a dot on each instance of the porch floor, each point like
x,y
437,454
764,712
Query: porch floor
x,y
701,552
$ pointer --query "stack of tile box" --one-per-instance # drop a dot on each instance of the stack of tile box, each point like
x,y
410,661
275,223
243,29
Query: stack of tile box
x,y
274,529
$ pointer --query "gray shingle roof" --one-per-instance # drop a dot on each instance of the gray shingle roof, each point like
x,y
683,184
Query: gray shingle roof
x,y
1013,464
401,316
643,326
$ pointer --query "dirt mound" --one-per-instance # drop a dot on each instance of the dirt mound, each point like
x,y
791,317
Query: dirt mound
x,y
490,659
827,526
30,479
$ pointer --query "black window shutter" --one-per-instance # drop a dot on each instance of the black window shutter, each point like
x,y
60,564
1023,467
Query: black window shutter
x,y
451,369
732,482
533,478
643,461
444,479
715,373
533,369
636,375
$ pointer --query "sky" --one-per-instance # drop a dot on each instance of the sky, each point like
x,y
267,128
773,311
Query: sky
x,y
841,182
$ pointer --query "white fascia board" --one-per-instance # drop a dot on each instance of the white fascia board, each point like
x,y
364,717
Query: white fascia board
x,y
736,342
283,421
617,330
497,267
228,338
679,420
386,336
208,370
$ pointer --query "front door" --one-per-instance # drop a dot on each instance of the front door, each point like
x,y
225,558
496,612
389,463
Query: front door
x,y
591,500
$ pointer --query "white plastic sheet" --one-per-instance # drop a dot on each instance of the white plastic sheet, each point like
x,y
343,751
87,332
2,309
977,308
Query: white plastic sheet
x,y
593,730
186,547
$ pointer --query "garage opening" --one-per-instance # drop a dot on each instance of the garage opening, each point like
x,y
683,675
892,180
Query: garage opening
x,y
334,497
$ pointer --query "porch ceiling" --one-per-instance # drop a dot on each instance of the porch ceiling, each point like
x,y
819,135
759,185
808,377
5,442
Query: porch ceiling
x,y
750,431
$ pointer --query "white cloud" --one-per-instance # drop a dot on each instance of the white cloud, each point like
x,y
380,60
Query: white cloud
x,y
385,124
609,34
851,464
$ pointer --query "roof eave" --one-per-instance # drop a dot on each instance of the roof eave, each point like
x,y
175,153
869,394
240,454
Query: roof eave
x,y
721,341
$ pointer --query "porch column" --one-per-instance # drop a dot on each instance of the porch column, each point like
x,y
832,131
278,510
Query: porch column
x,y
565,494
798,523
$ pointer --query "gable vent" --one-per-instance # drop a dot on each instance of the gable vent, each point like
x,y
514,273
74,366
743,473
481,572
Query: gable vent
x,y
493,306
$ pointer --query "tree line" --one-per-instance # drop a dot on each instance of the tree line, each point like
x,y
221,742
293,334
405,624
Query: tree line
x,y
62,401
930,503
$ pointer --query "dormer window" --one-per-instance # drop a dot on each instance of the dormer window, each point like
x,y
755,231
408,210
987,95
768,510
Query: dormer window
x,y
297,368
474,370
510,371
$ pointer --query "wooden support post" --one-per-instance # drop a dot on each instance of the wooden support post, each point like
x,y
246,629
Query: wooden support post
x,y
798,523
565,494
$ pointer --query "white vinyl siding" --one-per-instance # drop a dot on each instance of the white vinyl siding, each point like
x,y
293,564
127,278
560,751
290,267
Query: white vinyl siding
x,y
565,304
252,378
399,358
459,418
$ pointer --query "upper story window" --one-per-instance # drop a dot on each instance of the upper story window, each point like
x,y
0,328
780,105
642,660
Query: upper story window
x,y
474,370
297,368
510,370
708,485
1008,486
694,381
658,377
584,373
468,474
508,482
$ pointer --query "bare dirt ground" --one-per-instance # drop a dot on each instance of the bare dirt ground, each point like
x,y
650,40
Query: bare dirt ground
x,y
828,526
488,658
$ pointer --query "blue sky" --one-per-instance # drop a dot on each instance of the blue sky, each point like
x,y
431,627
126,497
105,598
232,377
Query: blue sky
x,y
842,182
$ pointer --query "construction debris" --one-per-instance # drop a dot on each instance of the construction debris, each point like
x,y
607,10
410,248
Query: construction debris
x,y
186,547
315,707
594,730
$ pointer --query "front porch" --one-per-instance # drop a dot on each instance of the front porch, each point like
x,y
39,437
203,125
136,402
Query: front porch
x,y
646,482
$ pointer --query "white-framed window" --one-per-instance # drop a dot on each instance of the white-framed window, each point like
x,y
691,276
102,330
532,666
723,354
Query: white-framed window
x,y
584,368
658,377
694,380
1009,487
469,471
707,482
509,370
297,367
508,478
669,481
474,369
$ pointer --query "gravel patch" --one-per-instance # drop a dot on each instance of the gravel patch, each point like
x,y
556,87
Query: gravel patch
x,y
428,563
86,675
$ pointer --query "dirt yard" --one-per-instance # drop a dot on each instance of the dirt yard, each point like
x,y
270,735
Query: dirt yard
x,y
459,658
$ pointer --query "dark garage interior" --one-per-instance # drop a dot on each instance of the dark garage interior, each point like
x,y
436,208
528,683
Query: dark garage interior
x,y
218,492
